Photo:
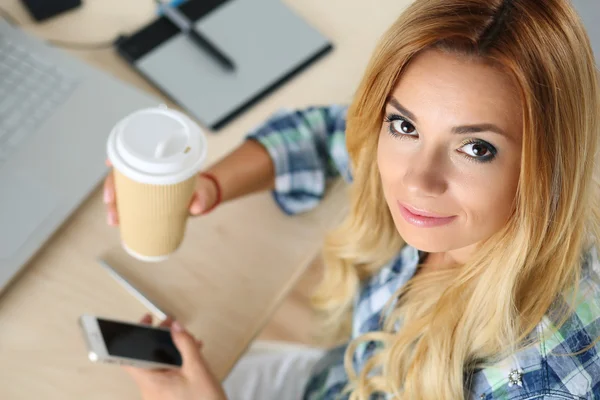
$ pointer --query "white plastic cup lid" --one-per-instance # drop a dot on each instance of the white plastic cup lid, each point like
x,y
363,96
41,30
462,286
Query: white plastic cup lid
x,y
157,146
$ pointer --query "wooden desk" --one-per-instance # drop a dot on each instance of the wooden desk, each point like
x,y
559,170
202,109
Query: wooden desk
x,y
235,265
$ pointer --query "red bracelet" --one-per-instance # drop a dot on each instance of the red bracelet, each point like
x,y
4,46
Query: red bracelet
x,y
214,180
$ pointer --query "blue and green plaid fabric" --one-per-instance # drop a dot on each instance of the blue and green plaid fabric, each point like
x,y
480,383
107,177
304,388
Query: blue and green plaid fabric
x,y
308,149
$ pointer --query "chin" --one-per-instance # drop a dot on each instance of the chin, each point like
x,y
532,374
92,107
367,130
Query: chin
x,y
425,245
429,240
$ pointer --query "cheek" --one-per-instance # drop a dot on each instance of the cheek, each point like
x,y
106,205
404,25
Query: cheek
x,y
487,197
389,163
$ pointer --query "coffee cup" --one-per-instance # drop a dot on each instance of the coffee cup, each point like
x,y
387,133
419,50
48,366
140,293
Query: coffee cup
x,y
156,154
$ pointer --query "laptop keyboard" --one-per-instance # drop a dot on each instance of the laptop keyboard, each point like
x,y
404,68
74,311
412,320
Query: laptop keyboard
x,y
31,89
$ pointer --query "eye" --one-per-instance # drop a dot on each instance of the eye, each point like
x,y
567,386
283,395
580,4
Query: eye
x,y
399,126
478,150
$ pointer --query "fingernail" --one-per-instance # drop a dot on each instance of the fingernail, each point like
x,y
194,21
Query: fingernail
x,y
106,197
177,327
196,208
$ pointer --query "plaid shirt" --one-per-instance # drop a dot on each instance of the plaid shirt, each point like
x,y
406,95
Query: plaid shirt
x,y
308,148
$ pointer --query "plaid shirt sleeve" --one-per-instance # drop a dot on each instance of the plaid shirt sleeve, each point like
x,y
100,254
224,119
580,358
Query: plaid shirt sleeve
x,y
308,148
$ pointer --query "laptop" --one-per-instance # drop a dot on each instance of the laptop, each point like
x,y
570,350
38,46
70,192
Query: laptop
x,y
55,116
589,11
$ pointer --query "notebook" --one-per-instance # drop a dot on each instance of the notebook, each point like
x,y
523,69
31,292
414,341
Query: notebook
x,y
267,41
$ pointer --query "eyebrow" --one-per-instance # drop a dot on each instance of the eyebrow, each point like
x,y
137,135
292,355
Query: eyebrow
x,y
463,129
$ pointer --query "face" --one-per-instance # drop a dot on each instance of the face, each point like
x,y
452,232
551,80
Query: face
x,y
449,152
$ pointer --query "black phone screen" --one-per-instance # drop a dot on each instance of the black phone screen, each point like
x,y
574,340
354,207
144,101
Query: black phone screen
x,y
141,343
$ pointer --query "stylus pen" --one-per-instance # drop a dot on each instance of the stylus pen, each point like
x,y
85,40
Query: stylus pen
x,y
134,291
185,25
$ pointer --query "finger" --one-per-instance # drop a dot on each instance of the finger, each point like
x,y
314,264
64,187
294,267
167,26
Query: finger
x,y
146,319
108,163
112,216
194,368
193,362
166,323
109,189
196,206
109,197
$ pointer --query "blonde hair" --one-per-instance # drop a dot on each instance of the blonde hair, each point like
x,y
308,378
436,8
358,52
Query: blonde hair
x,y
456,320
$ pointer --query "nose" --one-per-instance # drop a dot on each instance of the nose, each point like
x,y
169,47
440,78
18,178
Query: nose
x,y
425,175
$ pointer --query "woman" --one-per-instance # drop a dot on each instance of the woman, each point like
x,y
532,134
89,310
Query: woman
x,y
468,260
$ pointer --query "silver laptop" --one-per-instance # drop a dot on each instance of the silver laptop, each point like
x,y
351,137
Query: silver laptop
x,y
55,116
589,11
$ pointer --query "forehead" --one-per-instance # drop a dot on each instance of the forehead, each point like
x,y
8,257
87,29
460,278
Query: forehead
x,y
456,90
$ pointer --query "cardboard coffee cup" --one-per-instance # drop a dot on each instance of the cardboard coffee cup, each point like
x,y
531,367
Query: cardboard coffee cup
x,y
156,154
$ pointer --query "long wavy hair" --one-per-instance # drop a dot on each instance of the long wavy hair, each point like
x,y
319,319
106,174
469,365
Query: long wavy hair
x,y
453,321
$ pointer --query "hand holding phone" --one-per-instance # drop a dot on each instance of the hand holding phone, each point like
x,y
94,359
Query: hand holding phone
x,y
191,381
123,343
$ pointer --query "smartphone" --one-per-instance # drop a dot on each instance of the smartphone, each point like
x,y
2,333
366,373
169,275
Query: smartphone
x,y
116,342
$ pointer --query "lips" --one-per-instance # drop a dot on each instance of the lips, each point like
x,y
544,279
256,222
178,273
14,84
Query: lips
x,y
422,218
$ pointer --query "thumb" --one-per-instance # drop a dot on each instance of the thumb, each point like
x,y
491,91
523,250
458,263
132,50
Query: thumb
x,y
188,347
197,204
